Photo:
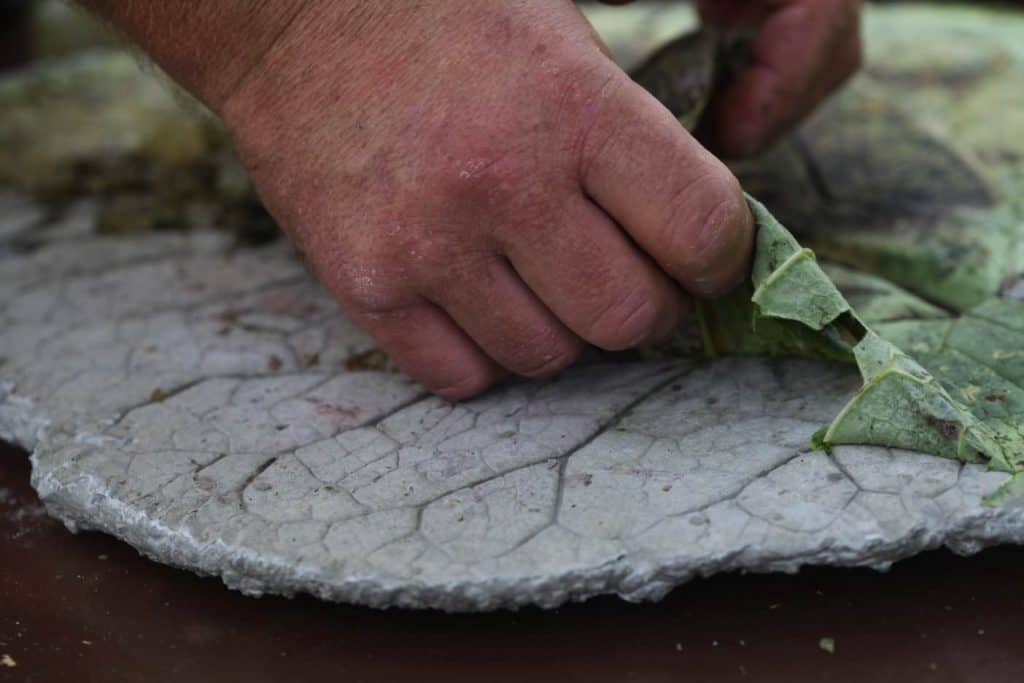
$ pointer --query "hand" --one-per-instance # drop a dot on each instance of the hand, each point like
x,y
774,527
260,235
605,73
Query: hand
x,y
481,187
802,51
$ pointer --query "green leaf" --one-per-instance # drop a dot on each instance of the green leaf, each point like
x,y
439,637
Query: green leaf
x,y
908,219
949,386
788,308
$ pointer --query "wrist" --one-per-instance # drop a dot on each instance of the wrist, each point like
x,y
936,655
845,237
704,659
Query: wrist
x,y
345,58
213,48
327,54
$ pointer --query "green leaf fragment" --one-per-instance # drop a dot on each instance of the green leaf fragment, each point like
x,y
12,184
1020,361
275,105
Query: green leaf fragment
x,y
877,300
902,406
789,307
788,282
902,213
951,387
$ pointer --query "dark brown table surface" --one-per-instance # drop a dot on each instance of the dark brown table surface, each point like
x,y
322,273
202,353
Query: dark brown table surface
x,y
89,608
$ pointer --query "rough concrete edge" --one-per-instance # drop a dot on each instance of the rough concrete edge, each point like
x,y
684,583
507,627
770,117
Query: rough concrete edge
x,y
18,424
631,578
87,504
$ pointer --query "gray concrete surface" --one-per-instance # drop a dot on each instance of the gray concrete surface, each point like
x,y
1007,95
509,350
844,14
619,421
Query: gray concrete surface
x,y
193,399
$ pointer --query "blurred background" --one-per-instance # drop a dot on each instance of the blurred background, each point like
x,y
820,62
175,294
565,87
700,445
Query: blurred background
x,y
33,29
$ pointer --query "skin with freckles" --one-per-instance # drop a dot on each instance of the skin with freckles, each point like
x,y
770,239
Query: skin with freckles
x,y
476,182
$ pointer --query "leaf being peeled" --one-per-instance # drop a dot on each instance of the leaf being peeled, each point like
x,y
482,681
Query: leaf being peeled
x,y
789,307
948,383
956,392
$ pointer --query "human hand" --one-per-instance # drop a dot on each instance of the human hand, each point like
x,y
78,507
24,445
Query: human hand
x,y
802,51
480,186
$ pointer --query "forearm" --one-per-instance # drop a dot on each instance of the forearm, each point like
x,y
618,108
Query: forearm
x,y
209,46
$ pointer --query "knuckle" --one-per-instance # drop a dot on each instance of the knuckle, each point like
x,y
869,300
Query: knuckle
x,y
414,255
488,169
630,321
552,354
428,250
589,115
484,172
603,144
581,85
500,201
370,298
598,143
527,218
456,273
368,286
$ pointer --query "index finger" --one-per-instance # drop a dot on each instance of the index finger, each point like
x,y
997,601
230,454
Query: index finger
x,y
679,203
